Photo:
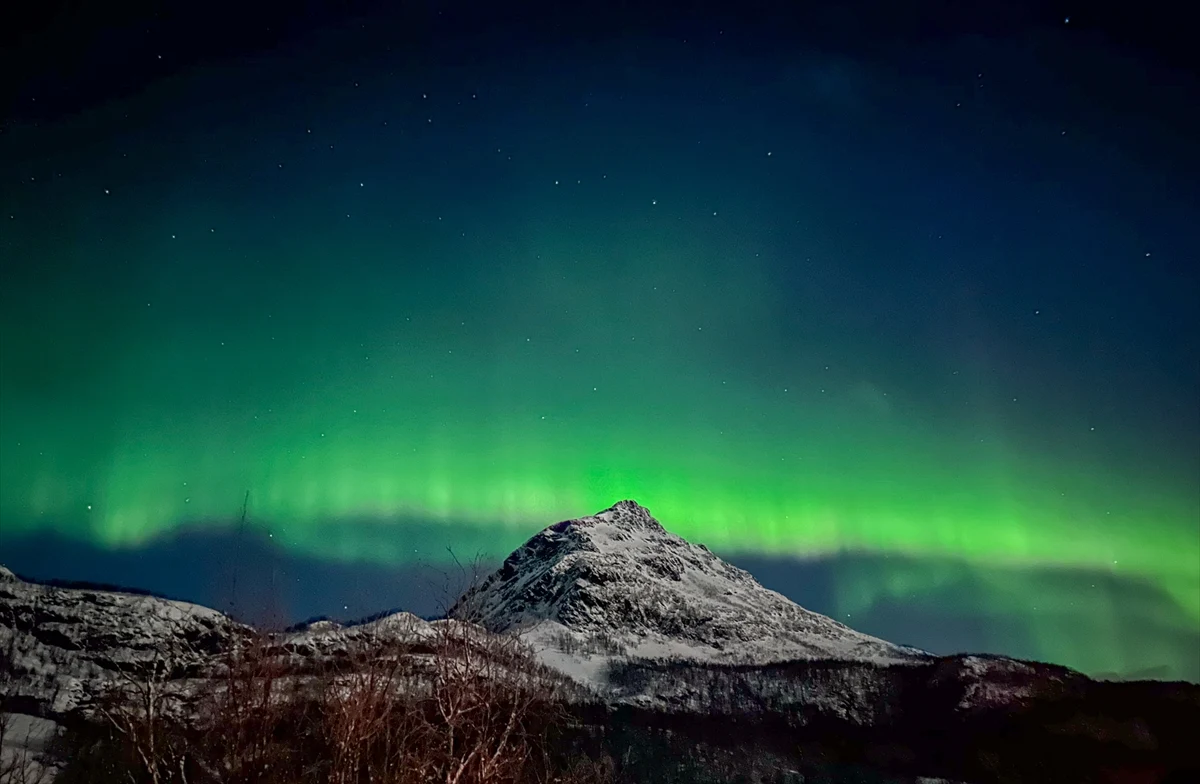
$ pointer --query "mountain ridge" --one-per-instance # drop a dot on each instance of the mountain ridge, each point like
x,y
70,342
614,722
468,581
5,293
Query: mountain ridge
x,y
619,581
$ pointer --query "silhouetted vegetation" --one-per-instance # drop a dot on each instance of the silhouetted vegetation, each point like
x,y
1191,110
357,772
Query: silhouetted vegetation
x,y
476,711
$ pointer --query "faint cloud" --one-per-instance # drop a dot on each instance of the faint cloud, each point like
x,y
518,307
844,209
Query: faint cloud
x,y
871,397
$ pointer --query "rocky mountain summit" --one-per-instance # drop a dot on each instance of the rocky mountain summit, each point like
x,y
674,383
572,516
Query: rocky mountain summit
x,y
618,583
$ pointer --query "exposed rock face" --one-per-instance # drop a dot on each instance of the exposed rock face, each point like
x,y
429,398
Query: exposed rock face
x,y
62,645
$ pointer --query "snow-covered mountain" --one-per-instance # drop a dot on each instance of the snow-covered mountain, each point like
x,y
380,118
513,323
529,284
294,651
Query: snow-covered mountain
x,y
62,645
618,583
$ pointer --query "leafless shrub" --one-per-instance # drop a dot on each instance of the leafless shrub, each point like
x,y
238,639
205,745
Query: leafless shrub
x,y
247,714
144,708
595,644
21,762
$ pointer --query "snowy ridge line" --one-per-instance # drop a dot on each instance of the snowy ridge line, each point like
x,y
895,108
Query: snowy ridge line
x,y
588,591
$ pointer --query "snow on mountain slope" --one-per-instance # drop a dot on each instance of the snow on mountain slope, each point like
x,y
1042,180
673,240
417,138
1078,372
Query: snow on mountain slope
x,y
331,639
61,647
65,644
618,583
990,681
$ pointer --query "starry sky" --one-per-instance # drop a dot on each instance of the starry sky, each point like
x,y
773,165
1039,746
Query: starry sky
x,y
894,308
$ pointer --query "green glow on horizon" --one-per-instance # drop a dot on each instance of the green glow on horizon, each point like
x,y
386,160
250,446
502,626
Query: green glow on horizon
x,y
858,483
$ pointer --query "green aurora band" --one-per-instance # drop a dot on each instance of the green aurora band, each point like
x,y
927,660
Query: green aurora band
x,y
505,435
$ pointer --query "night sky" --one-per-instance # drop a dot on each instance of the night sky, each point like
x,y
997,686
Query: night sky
x,y
894,308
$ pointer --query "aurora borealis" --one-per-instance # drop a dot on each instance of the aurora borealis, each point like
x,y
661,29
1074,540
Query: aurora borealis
x,y
914,315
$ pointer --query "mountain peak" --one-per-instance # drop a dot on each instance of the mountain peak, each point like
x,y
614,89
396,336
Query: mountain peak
x,y
629,508
629,515
618,575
